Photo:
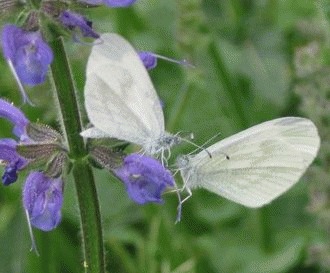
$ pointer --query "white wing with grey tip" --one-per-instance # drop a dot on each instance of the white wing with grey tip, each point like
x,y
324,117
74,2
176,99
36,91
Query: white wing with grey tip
x,y
263,161
119,96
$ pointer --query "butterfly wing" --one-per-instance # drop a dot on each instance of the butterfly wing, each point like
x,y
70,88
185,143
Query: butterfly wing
x,y
119,96
257,165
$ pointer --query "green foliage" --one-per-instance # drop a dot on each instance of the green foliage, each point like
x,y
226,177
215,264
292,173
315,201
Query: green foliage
x,y
254,61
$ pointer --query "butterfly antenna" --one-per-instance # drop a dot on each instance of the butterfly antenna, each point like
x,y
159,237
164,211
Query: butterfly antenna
x,y
202,147
197,146
210,139
33,241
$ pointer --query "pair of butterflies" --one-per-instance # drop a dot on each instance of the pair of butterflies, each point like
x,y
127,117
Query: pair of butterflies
x,y
251,168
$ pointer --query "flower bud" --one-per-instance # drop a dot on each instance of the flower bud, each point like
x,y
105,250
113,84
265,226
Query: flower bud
x,y
74,20
149,60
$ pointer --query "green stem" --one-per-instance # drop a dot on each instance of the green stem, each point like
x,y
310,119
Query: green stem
x,y
90,218
70,117
67,100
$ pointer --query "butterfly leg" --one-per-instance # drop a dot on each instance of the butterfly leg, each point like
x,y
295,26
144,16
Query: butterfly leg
x,y
179,208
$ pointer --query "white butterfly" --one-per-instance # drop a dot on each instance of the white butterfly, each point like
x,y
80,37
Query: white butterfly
x,y
120,99
257,165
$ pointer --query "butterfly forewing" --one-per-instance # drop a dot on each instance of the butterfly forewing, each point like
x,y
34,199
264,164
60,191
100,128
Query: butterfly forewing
x,y
257,165
119,96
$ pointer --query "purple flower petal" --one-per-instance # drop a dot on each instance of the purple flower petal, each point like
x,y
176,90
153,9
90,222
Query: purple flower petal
x,y
119,3
15,116
145,178
29,54
43,199
149,59
8,154
14,162
10,175
73,20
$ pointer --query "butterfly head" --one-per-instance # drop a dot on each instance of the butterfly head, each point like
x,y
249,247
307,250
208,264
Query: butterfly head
x,y
162,145
183,162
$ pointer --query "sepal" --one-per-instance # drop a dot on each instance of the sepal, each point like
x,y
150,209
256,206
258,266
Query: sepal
x,y
39,151
106,157
56,164
39,132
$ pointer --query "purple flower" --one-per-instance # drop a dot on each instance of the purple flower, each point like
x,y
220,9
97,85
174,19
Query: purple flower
x,y
74,20
42,195
111,3
149,59
10,174
8,155
144,177
28,53
16,117
118,3
14,162
43,199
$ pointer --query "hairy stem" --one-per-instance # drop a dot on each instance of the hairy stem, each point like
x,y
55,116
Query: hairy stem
x,y
65,93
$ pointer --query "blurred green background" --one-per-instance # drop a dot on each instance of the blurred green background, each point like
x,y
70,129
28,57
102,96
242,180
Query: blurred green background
x,y
254,60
